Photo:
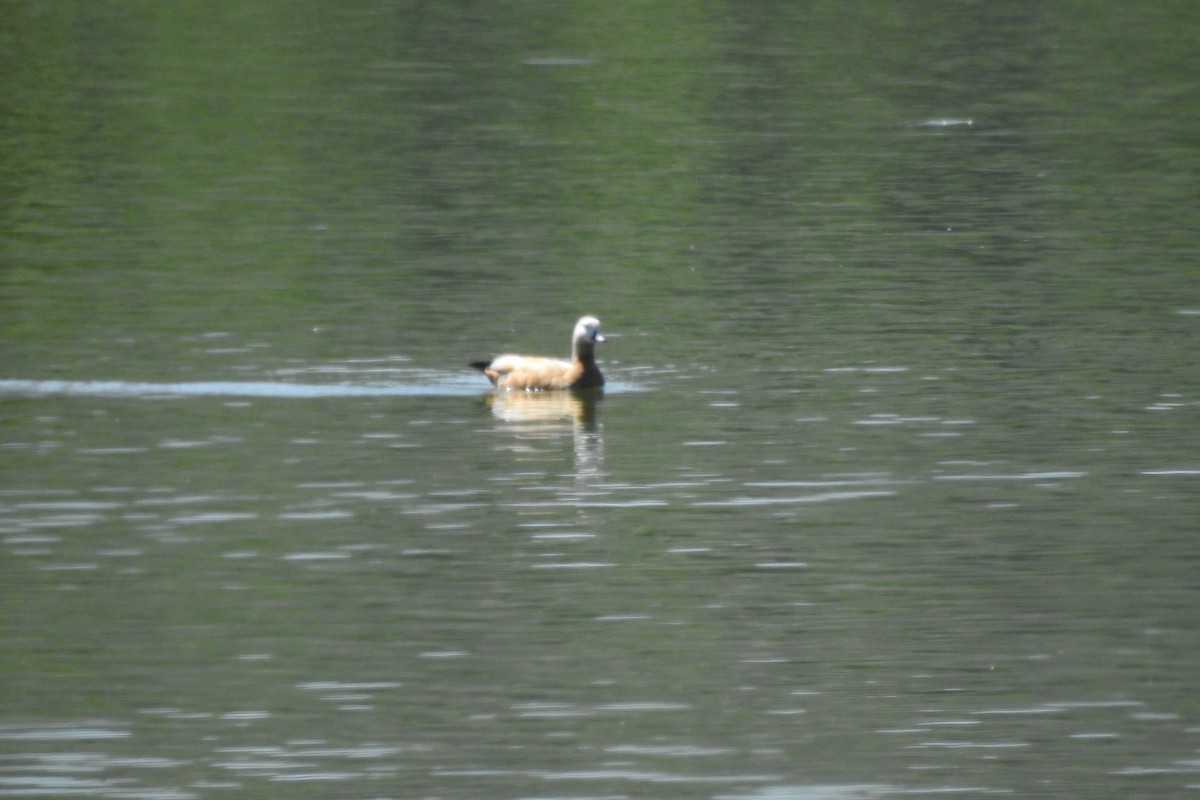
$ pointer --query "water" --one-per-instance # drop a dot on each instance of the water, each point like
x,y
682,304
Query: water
x,y
892,491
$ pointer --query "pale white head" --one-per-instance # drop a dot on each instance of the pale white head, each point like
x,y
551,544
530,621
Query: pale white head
x,y
587,331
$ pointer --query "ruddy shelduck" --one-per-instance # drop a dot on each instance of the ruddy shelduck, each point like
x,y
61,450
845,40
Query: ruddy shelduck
x,y
534,373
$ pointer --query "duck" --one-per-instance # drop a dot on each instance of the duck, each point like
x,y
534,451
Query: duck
x,y
536,373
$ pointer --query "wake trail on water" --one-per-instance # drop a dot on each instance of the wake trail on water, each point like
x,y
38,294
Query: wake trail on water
x,y
97,388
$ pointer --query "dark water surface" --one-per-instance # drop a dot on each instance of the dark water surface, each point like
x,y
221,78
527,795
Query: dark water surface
x,y
894,490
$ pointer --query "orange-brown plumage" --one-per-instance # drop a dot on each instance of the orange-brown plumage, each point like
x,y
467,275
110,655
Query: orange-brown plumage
x,y
535,373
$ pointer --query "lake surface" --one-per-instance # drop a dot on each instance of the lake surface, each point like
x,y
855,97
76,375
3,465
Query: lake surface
x,y
893,491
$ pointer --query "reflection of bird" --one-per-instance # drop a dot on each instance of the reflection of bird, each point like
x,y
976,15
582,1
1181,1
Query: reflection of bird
x,y
545,410
534,373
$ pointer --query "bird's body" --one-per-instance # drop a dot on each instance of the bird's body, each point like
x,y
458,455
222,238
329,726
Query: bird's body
x,y
535,373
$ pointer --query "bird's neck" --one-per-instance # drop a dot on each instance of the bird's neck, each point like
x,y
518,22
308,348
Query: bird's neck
x,y
584,352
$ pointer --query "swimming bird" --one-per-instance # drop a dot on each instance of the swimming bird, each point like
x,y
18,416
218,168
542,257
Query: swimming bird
x,y
534,373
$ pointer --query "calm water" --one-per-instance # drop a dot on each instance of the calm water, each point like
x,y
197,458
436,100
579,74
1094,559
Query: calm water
x,y
893,492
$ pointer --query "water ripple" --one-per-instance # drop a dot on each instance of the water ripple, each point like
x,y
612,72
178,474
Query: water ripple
x,y
449,387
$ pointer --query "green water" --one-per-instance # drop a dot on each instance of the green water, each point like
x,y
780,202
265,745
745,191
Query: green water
x,y
893,490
